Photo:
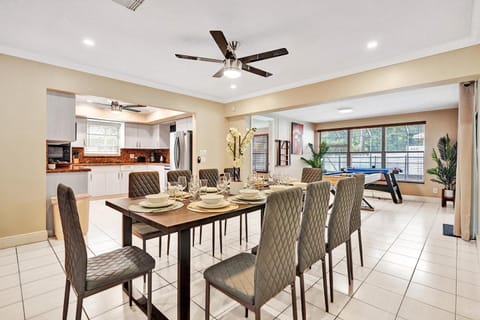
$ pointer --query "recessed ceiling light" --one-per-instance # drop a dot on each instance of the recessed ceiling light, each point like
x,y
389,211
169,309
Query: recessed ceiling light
x,y
372,44
345,110
88,42
233,86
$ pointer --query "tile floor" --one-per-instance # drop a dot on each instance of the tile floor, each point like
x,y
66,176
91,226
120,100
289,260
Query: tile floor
x,y
411,272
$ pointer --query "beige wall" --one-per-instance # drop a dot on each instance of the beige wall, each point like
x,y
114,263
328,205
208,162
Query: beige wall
x,y
438,123
23,86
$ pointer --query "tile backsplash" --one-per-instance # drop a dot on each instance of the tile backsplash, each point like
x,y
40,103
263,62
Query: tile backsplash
x,y
124,156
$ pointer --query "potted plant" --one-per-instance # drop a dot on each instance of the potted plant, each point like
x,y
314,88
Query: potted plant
x,y
317,157
446,169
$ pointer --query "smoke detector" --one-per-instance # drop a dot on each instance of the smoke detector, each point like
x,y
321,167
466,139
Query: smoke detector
x,y
129,4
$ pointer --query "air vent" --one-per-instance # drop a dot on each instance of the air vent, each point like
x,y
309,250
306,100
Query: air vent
x,y
129,4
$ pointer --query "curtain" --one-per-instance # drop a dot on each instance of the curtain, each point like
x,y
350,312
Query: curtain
x,y
465,164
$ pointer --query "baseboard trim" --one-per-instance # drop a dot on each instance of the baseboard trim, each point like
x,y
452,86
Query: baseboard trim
x,y
24,238
407,197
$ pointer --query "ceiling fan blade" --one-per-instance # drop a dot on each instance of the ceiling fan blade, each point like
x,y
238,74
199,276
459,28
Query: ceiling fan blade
x,y
132,106
128,109
184,56
218,74
264,55
256,71
221,41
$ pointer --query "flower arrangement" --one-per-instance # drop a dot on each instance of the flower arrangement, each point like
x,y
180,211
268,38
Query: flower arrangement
x,y
238,144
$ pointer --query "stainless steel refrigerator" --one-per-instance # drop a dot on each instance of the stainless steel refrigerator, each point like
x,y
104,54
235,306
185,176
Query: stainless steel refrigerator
x,y
181,150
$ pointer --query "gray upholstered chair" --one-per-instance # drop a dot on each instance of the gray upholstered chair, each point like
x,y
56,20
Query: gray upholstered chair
x,y
338,231
253,280
172,176
356,218
90,276
211,175
311,175
141,184
311,242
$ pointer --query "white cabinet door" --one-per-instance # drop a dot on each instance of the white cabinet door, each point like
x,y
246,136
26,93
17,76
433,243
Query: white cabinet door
x,y
156,136
145,136
113,181
124,180
81,133
164,136
131,136
97,183
60,116
161,174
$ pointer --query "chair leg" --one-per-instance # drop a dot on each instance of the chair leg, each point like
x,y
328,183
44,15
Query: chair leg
x,y
78,315
220,235
351,257
168,244
160,246
193,236
213,238
207,300
325,289
200,238
294,301
66,299
241,222
246,312
149,298
225,228
330,273
302,296
257,314
347,255
246,228
130,293
360,245
144,247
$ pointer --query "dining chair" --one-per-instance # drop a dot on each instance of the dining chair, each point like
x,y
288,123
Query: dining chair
x,y
338,230
311,242
141,184
211,175
311,175
356,218
92,275
253,280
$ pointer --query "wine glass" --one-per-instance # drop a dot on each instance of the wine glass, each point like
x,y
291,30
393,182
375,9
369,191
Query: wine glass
x,y
194,187
172,189
222,184
203,186
181,183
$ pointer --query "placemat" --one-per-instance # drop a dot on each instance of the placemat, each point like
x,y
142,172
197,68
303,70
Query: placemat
x,y
194,207
139,208
235,199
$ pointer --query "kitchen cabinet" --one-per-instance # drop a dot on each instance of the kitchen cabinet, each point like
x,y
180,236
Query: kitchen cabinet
x,y
161,136
81,127
184,124
139,136
161,173
60,117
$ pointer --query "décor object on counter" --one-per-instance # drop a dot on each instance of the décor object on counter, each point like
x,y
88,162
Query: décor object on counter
x,y
297,138
446,169
237,144
317,156
51,164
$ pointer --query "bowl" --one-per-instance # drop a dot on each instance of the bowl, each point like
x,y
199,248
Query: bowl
x,y
302,185
277,187
249,193
159,198
211,198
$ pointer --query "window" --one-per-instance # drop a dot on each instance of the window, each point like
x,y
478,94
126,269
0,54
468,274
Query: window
x,y
388,146
260,153
103,137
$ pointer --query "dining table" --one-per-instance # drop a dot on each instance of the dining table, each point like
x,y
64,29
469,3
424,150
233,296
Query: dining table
x,y
180,220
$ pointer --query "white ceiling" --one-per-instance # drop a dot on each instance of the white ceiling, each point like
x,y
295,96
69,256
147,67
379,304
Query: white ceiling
x,y
408,101
325,38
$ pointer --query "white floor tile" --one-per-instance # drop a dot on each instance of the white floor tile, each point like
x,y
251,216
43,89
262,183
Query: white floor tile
x,y
434,281
12,312
434,297
412,309
378,297
357,310
468,308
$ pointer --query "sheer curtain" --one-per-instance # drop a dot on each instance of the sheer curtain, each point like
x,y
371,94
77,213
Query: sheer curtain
x,y
464,194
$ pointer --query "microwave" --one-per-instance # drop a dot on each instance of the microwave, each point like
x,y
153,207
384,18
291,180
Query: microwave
x,y
59,152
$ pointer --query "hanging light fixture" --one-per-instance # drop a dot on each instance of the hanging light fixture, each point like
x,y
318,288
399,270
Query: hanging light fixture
x,y
232,68
115,107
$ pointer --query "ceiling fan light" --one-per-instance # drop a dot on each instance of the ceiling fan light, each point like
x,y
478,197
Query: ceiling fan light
x,y
115,108
232,69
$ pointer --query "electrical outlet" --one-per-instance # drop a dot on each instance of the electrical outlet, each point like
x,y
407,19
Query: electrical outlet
x,y
435,190
132,155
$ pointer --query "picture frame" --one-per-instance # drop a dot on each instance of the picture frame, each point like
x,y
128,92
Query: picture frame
x,y
297,138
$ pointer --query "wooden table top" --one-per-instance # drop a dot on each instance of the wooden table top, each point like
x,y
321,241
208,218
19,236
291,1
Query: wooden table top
x,y
178,219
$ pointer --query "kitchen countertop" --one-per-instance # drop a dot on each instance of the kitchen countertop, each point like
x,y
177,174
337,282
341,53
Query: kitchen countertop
x,y
120,164
71,168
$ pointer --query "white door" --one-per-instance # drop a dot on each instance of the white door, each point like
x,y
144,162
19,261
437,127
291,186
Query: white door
x,y
131,136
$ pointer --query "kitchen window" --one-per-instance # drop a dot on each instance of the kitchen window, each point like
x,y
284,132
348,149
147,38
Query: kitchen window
x,y
387,146
104,137
260,153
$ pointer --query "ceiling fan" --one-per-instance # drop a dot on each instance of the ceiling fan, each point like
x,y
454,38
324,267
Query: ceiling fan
x,y
117,107
232,65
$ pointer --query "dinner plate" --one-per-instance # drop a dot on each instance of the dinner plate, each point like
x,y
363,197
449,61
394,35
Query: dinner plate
x,y
148,204
211,189
221,204
257,198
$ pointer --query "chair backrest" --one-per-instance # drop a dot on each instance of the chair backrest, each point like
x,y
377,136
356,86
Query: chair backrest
x,y
75,249
142,183
339,224
310,175
356,218
172,176
311,243
210,174
275,262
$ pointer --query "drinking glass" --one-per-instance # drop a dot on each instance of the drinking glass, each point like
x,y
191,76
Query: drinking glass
x,y
172,189
228,179
203,186
182,183
222,184
194,187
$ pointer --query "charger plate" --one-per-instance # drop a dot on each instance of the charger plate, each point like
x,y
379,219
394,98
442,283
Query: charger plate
x,y
139,208
195,207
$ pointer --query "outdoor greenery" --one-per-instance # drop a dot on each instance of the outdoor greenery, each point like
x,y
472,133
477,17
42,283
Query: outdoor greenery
x,y
446,160
317,157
